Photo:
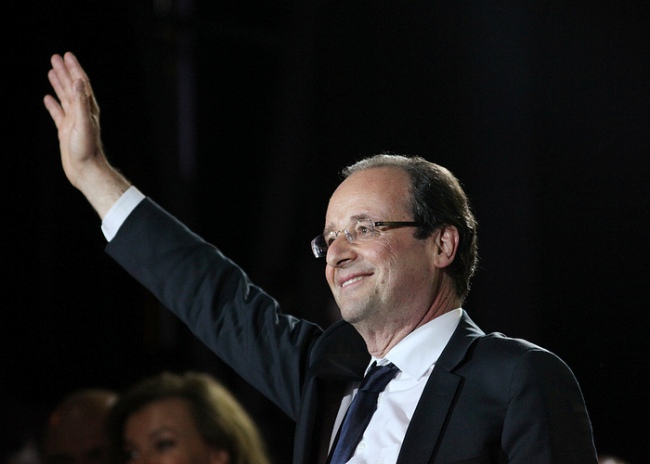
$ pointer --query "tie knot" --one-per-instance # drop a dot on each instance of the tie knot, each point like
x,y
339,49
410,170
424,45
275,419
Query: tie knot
x,y
378,377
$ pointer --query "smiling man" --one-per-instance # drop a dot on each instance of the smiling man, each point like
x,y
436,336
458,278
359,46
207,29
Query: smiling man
x,y
400,250
395,282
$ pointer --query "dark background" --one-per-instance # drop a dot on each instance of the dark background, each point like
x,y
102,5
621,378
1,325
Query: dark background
x,y
237,116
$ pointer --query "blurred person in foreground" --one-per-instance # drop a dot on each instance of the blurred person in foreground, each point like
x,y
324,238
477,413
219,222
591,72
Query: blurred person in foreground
x,y
74,432
400,249
183,419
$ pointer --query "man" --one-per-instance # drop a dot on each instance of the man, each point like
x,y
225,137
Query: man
x,y
400,249
74,433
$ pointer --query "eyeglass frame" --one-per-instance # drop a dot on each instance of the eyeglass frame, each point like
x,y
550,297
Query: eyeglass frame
x,y
316,249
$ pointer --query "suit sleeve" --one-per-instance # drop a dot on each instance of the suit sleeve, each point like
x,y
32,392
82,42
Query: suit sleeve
x,y
214,297
546,420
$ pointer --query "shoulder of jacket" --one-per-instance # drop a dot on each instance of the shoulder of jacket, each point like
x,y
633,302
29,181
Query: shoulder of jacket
x,y
496,343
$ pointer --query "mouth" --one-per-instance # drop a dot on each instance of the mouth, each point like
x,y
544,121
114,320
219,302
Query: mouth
x,y
351,280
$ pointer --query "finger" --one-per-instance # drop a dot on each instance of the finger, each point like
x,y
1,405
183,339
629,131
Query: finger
x,y
62,74
76,71
61,82
56,84
54,109
80,102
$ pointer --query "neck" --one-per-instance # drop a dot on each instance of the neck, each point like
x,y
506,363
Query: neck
x,y
382,337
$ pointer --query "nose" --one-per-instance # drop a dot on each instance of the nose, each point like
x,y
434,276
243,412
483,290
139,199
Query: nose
x,y
151,458
340,251
148,457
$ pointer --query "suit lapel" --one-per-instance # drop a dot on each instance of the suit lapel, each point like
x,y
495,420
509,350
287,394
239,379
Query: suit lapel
x,y
426,428
341,357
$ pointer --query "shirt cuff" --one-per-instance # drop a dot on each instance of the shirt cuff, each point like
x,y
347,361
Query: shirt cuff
x,y
120,211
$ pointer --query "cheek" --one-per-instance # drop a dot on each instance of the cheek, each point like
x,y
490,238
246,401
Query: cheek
x,y
404,265
219,457
184,456
386,260
329,275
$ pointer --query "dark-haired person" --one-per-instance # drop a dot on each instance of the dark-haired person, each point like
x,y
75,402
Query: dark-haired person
x,y
74,431
399,245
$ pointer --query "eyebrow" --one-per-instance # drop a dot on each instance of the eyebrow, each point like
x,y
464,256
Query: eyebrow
x,y
355,217
162,429
152,435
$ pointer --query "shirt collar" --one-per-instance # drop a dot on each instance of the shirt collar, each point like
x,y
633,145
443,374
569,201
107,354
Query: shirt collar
x,y
420,349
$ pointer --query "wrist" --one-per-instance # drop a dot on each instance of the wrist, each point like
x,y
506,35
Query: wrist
x,y
102,185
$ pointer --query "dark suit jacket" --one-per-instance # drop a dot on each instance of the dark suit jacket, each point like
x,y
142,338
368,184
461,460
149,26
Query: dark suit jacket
x,y
490,399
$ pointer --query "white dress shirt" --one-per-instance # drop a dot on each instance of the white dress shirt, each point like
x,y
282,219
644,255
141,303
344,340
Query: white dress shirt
x,y
416,357
120,211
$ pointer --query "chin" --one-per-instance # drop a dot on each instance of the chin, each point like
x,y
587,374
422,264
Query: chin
x,y
352,314
346,314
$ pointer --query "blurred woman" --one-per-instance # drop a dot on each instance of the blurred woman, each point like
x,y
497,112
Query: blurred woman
x,y
183,419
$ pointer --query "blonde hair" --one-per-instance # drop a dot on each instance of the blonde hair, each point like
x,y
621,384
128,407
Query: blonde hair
x,y
220,418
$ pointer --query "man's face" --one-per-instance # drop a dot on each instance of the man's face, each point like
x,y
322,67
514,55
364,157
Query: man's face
x,y
391,279
75,431
78,439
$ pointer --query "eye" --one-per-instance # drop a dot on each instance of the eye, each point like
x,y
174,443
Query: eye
x,y
329,238
130,455
164,444
363,230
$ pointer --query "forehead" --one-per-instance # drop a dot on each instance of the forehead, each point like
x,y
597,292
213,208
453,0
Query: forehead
x,y
170,412
377,193
75,428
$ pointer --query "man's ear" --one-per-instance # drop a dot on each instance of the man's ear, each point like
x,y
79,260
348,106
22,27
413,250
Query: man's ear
x,y
446,240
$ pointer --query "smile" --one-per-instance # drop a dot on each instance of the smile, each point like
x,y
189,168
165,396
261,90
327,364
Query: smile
x,y
351,281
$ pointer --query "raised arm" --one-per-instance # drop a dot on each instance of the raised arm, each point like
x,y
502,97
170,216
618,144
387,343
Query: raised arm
x,y
76,115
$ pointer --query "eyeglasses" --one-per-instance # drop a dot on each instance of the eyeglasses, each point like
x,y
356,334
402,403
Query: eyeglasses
x,y
361,230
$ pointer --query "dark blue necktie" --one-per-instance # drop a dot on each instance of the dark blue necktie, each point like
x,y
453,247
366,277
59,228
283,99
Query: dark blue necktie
x,y
360,411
